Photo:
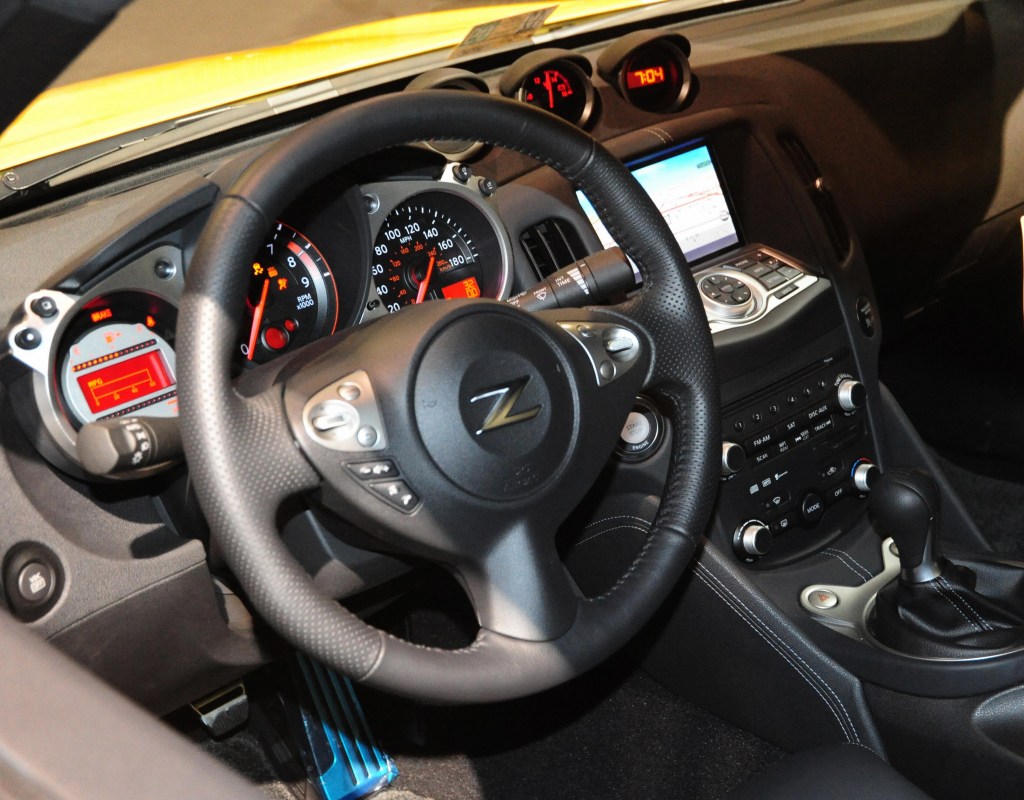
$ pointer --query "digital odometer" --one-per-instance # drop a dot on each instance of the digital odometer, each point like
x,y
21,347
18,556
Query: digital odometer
x,y
136,378
119,359
436,245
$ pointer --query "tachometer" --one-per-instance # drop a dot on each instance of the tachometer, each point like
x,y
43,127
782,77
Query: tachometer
x,y
292,296
436,245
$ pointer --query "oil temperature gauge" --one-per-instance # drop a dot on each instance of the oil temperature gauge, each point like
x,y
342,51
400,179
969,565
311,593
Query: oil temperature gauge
x,y
555,80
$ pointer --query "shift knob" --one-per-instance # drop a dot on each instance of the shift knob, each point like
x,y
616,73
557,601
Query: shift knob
x,y
905,504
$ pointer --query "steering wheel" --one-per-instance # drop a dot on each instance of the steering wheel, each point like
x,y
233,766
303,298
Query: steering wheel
x,y
489,423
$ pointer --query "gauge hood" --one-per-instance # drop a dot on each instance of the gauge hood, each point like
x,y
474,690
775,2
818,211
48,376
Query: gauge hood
x,y
77,114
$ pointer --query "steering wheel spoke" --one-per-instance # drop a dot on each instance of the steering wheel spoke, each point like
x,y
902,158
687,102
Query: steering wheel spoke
x,y
519,586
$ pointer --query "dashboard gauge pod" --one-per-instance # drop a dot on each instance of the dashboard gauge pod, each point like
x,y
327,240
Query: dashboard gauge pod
x,y
650,70
456,80
555,80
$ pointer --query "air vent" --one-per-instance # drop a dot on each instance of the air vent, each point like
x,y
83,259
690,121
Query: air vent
x,y
817,188
551,245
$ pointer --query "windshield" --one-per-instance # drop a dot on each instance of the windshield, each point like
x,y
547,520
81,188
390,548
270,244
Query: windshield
x,y
161,61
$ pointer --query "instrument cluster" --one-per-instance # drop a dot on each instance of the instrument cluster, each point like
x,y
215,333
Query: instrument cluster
x,y
345,253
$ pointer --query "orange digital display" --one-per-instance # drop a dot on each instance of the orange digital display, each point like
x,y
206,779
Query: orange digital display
x,y
125,381
651,76
102,314
466,288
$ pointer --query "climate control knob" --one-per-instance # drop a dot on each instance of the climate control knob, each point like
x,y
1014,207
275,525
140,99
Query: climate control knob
x,y
851,394
752,539
733,458
864,475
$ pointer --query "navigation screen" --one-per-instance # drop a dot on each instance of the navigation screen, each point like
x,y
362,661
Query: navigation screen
x,y
686,189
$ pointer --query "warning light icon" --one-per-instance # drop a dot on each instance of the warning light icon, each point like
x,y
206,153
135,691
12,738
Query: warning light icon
x,y
282,284
257,268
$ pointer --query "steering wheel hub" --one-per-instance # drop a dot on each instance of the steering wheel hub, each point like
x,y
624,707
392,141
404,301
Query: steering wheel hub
x,y
495,405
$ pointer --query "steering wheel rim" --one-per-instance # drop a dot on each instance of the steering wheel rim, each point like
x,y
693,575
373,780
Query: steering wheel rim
x,y
245,459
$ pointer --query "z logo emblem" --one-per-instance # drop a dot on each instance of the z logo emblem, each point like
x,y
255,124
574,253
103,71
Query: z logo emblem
x,y
505,398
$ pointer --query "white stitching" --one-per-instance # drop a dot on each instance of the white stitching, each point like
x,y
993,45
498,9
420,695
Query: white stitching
x,y
658,132
844,558
966,602
784,644
610,530
941,593
644,520
786,658
960,604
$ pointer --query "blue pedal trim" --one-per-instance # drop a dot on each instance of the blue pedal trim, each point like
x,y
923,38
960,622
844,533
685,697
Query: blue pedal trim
x,y
342,759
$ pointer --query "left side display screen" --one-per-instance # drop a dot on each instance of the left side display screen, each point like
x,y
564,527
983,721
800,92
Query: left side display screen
x,y
132,379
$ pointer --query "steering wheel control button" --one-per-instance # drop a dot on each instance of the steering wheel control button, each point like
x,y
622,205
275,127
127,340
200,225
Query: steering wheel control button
x,y
348,425
335,417
367,436
373,470
822,599
612,349
397,494
349,392
642,433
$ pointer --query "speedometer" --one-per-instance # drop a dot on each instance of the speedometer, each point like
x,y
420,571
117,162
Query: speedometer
x,y
436,245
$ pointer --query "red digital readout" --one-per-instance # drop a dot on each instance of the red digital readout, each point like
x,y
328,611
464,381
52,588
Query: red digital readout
x,y
128,380
466,288
638,78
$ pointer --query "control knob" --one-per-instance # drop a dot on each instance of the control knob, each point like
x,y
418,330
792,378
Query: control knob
x,y
865,475
733,458
752,539
851,394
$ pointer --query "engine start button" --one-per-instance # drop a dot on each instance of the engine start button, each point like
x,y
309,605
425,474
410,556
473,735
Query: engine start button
x,y
636,429
642,432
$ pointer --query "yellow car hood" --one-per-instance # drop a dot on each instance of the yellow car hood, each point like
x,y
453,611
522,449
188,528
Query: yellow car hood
x,y
80,113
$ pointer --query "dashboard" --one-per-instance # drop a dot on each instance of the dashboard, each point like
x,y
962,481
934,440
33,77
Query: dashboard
x,y
770,166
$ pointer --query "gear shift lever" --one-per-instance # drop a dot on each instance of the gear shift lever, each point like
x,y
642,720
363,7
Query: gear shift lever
x,y
906,504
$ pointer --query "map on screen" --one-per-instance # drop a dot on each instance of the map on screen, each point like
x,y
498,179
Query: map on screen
x,y
686,189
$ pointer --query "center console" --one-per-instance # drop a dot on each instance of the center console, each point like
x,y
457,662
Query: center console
x,y
795,603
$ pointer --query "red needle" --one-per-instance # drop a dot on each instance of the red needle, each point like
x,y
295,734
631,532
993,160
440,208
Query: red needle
x,y
551,90
257,319
422,293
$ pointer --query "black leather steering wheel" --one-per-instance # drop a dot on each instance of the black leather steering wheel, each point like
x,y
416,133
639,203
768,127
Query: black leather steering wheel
x,y
496,420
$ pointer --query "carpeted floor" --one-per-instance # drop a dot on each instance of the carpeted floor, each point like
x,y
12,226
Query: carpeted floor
x,y
993,491
602,737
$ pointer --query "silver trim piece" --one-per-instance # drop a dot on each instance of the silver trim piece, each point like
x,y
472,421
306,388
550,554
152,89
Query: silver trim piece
x,y
611,348
850,615
345,425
